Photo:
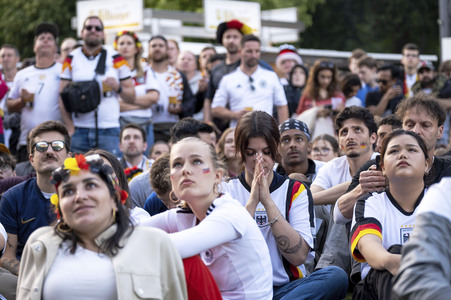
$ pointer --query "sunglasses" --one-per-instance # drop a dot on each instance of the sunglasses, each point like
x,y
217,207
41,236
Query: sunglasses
x,y
43,146
383,81
251,81
90,27
326,64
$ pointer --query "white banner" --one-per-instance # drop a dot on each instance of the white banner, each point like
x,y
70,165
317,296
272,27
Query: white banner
x,y
116,15
218,11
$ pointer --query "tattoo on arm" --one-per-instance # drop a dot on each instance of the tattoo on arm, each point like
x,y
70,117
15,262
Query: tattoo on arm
x,y
10,245
11,265
283,242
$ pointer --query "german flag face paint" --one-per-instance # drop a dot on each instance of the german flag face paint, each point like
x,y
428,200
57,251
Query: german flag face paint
x,y
206,170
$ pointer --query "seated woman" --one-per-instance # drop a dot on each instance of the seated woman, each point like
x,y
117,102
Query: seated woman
x,y
226,152
283,210
383,222
214,225
94,251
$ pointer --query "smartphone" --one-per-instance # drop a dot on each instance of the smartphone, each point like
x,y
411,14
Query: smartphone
x,y
378,162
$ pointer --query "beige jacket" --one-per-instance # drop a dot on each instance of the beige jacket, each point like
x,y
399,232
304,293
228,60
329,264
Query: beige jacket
x,y
147,267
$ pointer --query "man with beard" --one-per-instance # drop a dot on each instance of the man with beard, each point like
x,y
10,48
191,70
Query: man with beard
x,y
356,137
133,144
431,83
229,35
98,128
384,101
35,89
250,87
294,148
26,206
176,99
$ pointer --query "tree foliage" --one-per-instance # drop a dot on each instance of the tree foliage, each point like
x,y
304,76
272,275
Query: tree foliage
x,y
18,19
376,26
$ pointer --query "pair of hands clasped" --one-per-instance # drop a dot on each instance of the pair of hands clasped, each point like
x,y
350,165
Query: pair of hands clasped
x,y
260,184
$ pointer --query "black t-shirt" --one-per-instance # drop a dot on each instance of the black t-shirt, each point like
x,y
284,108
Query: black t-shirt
x,y
373,98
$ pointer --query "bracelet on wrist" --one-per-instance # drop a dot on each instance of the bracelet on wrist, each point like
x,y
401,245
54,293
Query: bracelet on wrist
x,y
276,219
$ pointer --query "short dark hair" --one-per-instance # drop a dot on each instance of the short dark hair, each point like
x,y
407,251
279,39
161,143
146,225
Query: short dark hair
x,y
393,120
93,17
257,124
427,102
410,46
394,70
12,47
7,159
348,82
249,38
48,126
359,113
368,62
216,57
188,127
134,126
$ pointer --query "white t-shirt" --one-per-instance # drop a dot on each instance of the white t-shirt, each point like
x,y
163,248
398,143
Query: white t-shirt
x,y
78,67
237,90
437,199
229,243
381,215
299,219
335,172
82,275
142,85
5,237
169,82
45,84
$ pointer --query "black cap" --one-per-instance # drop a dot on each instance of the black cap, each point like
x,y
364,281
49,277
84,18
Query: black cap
x,y
294,124
47,28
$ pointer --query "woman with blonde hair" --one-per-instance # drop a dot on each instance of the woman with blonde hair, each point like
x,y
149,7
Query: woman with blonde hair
x,y
227,152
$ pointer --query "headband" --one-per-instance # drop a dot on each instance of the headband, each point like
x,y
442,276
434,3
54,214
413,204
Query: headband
x,y
130,33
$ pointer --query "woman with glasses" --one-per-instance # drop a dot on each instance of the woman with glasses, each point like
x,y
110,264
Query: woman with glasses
x,y
322,88
147,93
325,148
94,251
384,221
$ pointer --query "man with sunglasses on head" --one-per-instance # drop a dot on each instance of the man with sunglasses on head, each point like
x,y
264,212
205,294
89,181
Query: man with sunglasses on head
x,y
26,206
384,101
80,65
249,87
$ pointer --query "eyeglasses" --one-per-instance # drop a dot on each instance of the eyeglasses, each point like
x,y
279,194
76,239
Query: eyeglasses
x,y
90,27
323,150
43,146
251,81
327,64
383,81
5,167
411,55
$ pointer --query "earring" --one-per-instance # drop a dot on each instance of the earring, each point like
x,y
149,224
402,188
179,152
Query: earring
x,y
63,227
114,216
173,197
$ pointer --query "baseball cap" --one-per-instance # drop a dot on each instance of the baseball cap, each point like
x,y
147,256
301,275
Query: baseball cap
x,y
425,64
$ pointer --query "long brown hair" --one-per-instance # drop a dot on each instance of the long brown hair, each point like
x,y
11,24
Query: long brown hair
x,y
312,87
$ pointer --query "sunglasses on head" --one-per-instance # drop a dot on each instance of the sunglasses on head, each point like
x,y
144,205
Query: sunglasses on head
x,y
326,64
383,81
90,27
43,146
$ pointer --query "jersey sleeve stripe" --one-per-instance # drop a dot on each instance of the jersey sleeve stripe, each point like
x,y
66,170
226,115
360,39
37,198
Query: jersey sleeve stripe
x,y
361,230
67,63
119,61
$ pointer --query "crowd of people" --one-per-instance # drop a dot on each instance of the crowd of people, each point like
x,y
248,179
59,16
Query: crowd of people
x,y
219,176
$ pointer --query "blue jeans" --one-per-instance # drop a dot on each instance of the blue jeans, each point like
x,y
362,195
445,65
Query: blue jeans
x,y
327,283
84,139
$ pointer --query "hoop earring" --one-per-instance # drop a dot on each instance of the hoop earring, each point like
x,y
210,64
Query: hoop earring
x,y
63,227
173,198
